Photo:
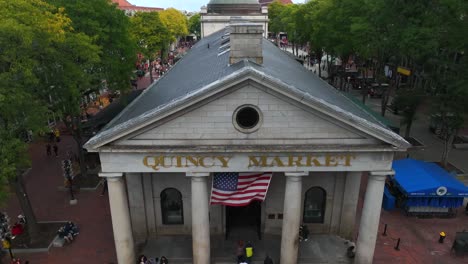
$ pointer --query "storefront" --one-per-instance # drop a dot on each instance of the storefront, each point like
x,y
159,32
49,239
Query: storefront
x,y
243,106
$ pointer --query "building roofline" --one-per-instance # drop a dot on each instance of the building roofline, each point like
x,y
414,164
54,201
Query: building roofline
x,y
246,72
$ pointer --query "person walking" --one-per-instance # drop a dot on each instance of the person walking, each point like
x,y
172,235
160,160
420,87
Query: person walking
x,y
48,149
104,186
240,251
142,259
268,260
57,134
56,150
249,250
164,260
242,260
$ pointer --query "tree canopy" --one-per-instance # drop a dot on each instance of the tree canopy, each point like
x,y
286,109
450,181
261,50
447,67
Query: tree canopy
x,y
150,33
194,24
427,37
109,29
40,53
175,22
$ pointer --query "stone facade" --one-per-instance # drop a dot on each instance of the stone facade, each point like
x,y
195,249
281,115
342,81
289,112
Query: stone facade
x,y
213,22
305,140
144,190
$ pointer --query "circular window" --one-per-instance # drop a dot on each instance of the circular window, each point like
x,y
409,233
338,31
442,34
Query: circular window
x,y
247,118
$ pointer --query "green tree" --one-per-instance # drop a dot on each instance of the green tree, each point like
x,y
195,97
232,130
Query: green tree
x,y
175,22
150,35
275,11
108,28
36,40
407,101
194,25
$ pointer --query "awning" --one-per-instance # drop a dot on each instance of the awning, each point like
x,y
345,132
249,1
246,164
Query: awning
x,y
417,178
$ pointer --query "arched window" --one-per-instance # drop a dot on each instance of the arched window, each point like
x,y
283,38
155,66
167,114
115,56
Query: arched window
x,y
172,207
314,205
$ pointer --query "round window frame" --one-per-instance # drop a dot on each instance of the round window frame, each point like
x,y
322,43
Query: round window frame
x,y
247,130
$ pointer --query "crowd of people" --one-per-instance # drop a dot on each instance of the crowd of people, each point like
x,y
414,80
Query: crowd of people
x,y
53,140
68,232
142,259
245,253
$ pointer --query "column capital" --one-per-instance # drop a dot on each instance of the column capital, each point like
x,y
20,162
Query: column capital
x,y
380,175
110,174
197,174
383,173
296,173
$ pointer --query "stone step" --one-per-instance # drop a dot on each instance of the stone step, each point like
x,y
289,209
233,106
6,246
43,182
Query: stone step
x,y
226,261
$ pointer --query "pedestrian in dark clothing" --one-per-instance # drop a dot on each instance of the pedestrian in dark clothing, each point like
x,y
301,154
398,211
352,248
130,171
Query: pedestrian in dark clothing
x,y
51,136
56,150
48,150
268,260
240,251
249,250
164,260
104,186
142,259
242,260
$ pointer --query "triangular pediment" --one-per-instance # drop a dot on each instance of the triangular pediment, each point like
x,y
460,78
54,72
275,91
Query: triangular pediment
x,y
290,117
283,121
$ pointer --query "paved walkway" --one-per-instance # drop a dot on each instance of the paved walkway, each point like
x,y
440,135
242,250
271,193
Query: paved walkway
x,y
95,243
318,249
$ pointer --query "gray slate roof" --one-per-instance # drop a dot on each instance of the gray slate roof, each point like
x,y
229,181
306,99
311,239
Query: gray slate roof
x,y
203,65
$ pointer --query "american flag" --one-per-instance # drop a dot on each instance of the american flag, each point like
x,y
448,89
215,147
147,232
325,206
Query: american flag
x,y
239,189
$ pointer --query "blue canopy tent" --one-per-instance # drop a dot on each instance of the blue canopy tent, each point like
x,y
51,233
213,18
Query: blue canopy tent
x,y
426,185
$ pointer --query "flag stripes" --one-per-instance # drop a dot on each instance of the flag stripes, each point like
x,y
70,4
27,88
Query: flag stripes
x,y
239,189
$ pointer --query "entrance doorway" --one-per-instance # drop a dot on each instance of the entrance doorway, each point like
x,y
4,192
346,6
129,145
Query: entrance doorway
x,y
244,222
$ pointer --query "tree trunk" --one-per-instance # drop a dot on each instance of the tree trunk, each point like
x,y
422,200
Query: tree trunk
x,y
365,92
384,102
151,72
365,89
75,128
320,68
447,147
79,142
31,222
409,122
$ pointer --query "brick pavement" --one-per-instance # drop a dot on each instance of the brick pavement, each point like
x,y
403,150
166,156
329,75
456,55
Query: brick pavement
x,y
419,237
95,243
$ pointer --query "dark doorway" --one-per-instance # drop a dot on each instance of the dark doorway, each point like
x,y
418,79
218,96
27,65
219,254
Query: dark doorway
x,y
243,221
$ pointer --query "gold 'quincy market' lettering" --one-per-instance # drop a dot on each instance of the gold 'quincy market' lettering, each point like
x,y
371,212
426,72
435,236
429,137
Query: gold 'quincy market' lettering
x,y
157,162
301,161
327,160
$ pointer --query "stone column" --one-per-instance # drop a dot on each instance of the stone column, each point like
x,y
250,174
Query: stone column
x,y
291,217
349,205
123,237
370,217
137,206
200,218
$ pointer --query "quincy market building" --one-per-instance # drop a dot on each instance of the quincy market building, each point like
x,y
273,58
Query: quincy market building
x,y
237,103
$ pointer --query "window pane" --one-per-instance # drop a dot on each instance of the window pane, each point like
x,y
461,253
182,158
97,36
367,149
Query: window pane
x,y
314,205
172,207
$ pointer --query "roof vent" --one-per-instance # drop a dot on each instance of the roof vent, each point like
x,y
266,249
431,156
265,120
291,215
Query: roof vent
x,y
246,42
